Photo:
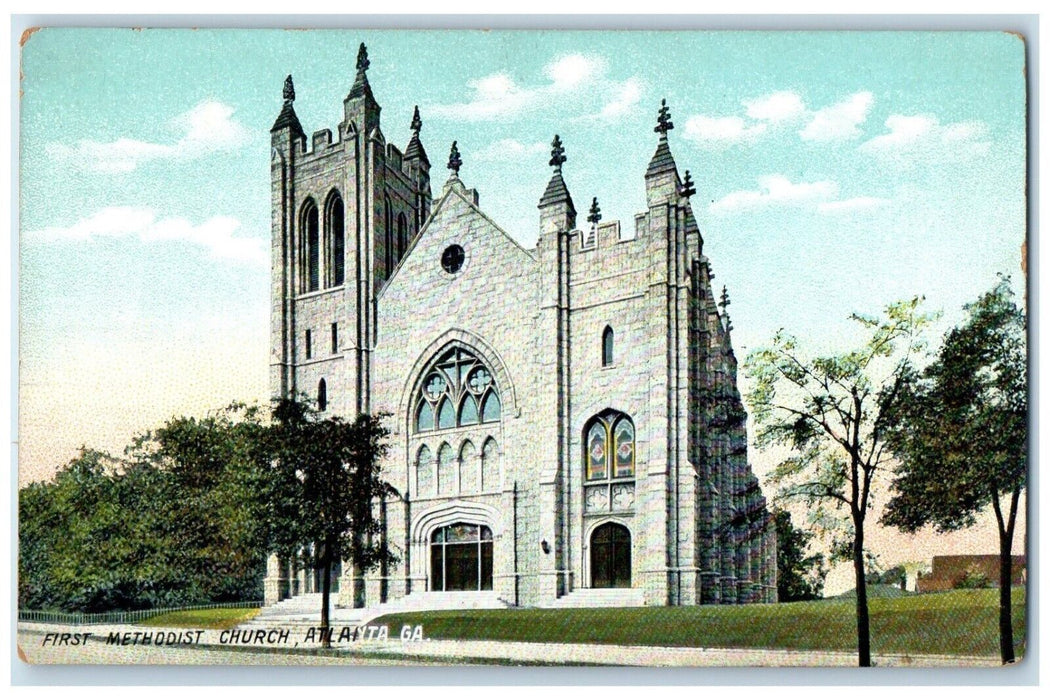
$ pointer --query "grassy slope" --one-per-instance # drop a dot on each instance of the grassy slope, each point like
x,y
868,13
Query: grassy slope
x,y
957,622
214,618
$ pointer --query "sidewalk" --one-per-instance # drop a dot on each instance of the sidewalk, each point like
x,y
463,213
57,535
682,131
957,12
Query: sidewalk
x,y
168,646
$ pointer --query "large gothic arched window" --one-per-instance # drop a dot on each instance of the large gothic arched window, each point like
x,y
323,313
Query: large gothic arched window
x,y
458,390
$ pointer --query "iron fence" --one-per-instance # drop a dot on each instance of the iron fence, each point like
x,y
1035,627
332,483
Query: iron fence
x,y
120,617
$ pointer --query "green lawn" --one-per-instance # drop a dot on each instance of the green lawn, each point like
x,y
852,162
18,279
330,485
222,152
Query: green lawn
x,y
212,618
956,622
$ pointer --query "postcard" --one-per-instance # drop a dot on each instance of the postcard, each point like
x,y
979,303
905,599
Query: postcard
x,y
522,347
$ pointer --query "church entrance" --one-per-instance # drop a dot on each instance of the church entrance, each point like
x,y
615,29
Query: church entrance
x,y
611,557
461,558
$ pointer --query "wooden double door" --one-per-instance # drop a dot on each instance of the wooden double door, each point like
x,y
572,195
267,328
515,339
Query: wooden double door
x,y
611,556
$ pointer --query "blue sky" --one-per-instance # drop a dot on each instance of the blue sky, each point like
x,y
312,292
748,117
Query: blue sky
x,y
835,172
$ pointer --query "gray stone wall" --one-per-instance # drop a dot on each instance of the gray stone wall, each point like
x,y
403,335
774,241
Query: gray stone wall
x,y
700,530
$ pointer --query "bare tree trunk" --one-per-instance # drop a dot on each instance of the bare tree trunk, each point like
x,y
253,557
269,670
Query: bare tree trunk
x,y
326,585
1006,626
1006,537
863,624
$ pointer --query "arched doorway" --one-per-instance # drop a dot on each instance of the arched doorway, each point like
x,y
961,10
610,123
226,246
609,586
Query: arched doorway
x,y
611,556
461,558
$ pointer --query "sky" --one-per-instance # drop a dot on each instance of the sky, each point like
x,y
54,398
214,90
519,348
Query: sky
x,y
836,172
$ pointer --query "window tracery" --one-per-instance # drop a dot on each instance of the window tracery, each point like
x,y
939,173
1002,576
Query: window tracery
x,y
459,390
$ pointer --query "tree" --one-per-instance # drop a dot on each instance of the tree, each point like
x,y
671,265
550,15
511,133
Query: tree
x,y
322,490
171,523
960,430
799,577
829,412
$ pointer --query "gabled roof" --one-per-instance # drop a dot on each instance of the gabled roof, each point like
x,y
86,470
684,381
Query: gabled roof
x,y
454,190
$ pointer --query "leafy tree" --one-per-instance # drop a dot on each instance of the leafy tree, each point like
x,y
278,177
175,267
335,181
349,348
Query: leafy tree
x,y
215,521
172,523
830,412
960,429
799,577
323,489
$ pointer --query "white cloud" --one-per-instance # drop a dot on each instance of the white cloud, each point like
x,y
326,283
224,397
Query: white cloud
x,y
840,121
499,96
721,131
510,150
206,128
776,107
572,71
628,95
763,114
216,235
851,205
777,189
922,137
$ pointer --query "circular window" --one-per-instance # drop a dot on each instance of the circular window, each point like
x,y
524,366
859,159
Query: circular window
x,y
452,259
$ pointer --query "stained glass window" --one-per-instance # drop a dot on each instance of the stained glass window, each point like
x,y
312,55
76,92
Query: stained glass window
x,y
459,390
624,432
597,452
609,457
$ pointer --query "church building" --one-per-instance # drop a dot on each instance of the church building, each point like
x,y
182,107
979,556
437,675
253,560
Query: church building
x,y
566,428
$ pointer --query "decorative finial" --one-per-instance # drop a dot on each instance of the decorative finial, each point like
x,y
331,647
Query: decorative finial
x,y
362,58
663,121
289,91
417,123
557,153
688,187
725,303
454,161
596,213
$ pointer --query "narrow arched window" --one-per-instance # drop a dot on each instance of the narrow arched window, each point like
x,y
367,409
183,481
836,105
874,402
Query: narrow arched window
x,y
388,242
445,470
402,235
607,346
490,479
322,395
468,468
424,472
310,255
335,240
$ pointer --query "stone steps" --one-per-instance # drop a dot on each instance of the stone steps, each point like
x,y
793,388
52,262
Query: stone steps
x,y
305,610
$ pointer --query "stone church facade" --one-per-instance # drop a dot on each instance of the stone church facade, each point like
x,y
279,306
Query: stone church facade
x,y
564,418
